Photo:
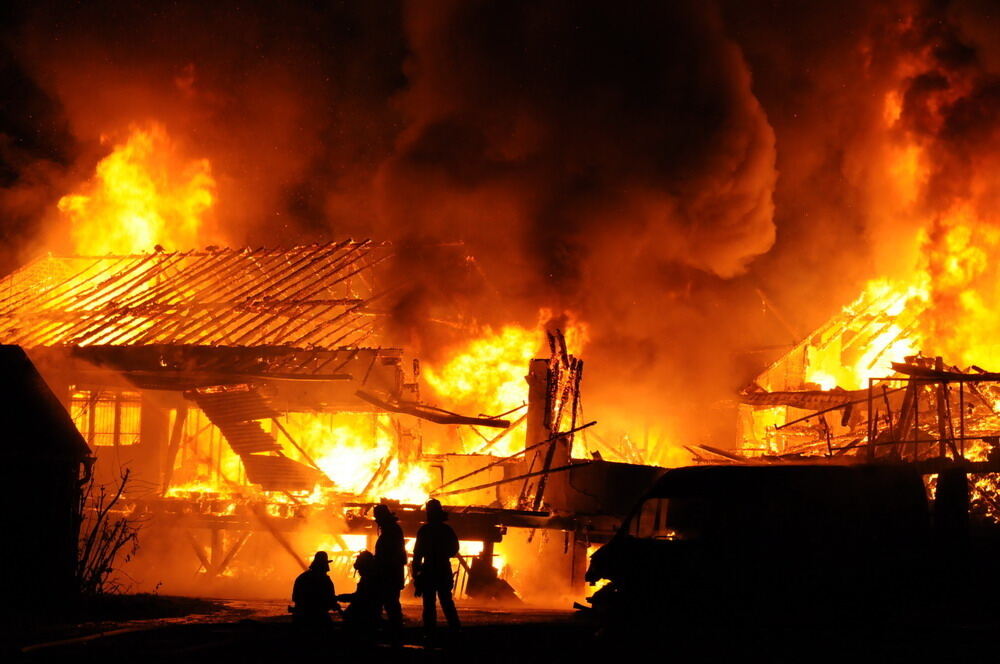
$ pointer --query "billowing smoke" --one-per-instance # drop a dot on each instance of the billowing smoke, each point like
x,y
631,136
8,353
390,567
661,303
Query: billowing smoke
x,y
650,167
563,126
592,158
951,108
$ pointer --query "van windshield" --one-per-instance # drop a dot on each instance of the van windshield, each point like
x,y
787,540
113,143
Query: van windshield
x,y
650,522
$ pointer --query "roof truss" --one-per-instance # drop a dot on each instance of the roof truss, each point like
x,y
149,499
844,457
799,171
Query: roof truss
x,y
308,297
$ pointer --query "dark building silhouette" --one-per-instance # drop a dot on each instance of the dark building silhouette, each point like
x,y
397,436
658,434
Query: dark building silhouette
x,y
44,461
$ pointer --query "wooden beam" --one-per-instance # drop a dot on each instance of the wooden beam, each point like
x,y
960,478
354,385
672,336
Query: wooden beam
x,y
516,454
512,479
199,551
305,455
503,434
233,551
277,535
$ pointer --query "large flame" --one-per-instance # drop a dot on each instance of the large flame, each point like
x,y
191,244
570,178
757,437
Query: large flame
x,y
487,375
357,453
143,194
946,301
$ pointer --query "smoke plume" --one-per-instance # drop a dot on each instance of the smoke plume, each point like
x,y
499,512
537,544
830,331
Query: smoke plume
x,y
651,168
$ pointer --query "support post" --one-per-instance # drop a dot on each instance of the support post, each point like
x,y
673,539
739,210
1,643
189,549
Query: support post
x,y
173,446
871,421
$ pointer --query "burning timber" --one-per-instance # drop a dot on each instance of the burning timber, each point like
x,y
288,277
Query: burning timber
x,y
904,408
250,396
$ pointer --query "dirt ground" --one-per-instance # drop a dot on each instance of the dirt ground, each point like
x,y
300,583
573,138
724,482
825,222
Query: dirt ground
x,y
260,631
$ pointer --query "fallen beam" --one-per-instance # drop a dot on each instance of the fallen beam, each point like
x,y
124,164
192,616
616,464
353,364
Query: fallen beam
x,y
512,479
429,413
515,454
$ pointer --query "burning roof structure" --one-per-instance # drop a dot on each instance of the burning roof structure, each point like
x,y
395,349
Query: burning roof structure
x,y
229,329
308,298
860,387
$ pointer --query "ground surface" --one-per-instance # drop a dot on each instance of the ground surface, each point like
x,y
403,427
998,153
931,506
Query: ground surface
x,y
260,631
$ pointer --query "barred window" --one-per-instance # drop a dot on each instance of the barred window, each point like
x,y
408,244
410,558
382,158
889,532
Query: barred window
x,y
107,418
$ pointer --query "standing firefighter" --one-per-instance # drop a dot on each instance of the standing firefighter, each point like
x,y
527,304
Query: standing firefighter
x,y
390,559
436,545
313,593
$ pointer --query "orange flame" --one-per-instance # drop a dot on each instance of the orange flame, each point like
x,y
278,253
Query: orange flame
x,y
487,375
946,303
144,193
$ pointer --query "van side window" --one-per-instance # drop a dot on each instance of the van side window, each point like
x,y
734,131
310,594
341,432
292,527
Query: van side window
x,y
650,522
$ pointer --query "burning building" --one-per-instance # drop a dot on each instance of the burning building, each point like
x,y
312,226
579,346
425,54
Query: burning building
x,y
248,395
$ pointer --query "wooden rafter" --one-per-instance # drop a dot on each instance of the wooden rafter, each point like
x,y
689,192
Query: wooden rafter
x,y
303,297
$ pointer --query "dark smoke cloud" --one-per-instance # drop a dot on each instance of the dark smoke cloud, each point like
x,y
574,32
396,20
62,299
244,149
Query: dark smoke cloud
x,y
558,126
604,159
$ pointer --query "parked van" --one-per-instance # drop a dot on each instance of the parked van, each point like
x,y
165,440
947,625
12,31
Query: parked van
x,y
765,541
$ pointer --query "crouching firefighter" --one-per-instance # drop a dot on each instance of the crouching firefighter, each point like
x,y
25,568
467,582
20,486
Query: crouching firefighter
x,y
313,594
363,612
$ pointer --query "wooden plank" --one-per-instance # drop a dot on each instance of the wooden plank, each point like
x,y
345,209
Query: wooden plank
x,y
305,455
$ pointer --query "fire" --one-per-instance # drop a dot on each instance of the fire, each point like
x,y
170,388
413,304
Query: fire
x,y
944,307
838,364
945,301
356,451
489,372
487,375
144,193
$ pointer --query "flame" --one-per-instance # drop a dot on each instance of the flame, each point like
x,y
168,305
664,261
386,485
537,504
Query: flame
x,y
144,193
945,302
489,372
357,452
835,363
487,375
943,307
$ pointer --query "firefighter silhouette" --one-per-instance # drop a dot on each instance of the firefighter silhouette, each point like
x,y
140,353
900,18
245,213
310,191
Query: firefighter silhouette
x,y
390,560
436,545
313,593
